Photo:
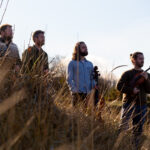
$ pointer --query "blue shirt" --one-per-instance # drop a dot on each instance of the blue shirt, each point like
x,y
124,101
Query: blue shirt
x,y
79,76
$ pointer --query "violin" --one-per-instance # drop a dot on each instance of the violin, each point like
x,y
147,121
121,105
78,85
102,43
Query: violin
x,y
138,79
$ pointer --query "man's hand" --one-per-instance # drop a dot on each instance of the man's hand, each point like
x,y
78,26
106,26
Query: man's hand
x,y
145,75
136,91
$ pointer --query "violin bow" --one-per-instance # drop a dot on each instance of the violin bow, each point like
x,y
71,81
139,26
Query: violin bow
x,y
147,70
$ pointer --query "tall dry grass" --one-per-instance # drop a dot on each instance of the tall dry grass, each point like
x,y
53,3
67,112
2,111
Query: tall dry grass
x,y
45,120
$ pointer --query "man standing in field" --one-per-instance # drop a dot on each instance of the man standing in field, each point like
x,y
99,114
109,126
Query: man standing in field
x,y
35,64
35,59
9,59
7,47
79,74
134,97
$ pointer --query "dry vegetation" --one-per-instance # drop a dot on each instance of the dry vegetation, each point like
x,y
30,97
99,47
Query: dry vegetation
x,y
48,122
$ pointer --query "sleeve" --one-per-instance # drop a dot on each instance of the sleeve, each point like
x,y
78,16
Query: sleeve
x,y
2,49
46,66
70,79
147,85
15,53
123,84
18,62
24,61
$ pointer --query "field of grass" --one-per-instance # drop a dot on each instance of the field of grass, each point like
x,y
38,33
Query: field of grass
x,y
36,114
47,121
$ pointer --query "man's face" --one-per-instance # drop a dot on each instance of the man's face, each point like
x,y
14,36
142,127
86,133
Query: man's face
x,y
139,61
83,49
40,40
7,34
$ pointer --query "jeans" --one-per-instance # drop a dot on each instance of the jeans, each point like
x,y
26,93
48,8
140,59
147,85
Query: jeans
x,y
137,114
78,97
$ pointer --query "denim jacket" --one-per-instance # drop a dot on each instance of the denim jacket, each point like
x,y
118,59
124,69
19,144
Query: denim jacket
x,y
79,76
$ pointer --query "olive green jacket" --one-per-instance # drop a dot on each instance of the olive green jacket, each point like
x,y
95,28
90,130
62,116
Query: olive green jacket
x,y
34,60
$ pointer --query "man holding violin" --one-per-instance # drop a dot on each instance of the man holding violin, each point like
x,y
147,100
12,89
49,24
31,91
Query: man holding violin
x,y
135,85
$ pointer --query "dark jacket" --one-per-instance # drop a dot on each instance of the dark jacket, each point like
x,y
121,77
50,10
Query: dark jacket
x,y
34,60
126,88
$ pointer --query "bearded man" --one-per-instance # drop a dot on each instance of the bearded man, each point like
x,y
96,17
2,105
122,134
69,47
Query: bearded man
x,y
10,62
35,66
134,98
79,74
35,59
7,48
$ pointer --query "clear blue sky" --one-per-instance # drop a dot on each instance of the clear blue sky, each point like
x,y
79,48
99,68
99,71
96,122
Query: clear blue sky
x,y
112,29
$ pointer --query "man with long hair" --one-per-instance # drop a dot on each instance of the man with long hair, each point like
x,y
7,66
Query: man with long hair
x,y
134,97
79,74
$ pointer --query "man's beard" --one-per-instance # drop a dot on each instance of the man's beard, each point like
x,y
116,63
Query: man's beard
x,y
40,43
8,38
140,65
84,53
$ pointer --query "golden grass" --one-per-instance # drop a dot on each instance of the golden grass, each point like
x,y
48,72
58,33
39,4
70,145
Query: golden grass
x,y
50,123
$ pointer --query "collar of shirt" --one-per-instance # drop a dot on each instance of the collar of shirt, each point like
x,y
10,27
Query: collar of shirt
x,y
36,48
84,60
37,51
2,40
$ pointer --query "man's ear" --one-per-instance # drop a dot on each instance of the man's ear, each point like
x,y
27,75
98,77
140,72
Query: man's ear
x,y
2,33
34,39
133,61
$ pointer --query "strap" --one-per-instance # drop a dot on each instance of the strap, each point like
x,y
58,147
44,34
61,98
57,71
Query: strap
x,y
29,49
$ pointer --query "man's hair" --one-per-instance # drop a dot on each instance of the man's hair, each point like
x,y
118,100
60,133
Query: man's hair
x,y
76,52
4,27
135,55
36,33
